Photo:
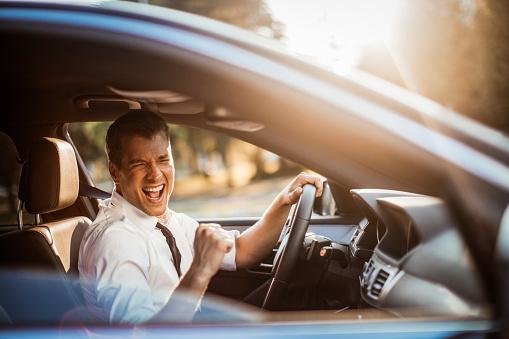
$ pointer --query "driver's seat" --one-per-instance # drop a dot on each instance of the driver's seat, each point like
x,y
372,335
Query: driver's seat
x,y
46,254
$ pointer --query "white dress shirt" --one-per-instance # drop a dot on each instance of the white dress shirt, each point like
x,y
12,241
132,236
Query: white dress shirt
x,y
126,267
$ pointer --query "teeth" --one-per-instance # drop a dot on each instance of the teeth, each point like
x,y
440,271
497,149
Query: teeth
x,y
153,189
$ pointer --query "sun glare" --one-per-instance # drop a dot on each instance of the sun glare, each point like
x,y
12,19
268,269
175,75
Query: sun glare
x,y
333,32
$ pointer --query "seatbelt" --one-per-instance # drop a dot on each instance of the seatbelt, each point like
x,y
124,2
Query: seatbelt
x,y
85,190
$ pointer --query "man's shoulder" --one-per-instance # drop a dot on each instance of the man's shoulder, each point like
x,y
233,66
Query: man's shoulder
x,y
110,226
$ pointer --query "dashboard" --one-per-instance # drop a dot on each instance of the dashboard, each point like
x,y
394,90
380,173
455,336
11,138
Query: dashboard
x,y
414,257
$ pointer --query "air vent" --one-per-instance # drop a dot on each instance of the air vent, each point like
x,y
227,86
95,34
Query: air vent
x,y
378,284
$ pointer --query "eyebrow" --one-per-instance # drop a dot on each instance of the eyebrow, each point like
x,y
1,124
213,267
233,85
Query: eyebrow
x,y
135,161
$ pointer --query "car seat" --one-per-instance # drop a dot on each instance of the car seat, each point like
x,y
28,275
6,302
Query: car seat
x,y
38,265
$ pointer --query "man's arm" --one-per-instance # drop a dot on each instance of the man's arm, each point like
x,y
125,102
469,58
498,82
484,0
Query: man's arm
x,y
257,242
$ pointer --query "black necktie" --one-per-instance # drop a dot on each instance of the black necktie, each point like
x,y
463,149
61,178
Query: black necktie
x,y
170,240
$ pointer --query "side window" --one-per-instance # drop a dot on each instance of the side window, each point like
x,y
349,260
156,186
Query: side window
x,y
216,175
10,170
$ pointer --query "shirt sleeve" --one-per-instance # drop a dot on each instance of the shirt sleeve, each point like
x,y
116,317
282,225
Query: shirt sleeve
x,y
229,263
121,277
190,225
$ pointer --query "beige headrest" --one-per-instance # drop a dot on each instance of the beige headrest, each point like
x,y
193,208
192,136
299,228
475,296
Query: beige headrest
x,y
50,180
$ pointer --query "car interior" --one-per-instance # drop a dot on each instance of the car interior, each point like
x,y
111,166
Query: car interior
x,y
377,240
358,250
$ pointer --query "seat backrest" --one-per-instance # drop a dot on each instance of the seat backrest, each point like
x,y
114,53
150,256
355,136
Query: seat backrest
x,y
49,183
64,238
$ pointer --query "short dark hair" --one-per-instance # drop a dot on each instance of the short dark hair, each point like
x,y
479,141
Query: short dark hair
x,y
134,123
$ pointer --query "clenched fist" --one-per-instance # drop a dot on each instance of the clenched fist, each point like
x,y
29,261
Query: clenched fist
x,y
211,243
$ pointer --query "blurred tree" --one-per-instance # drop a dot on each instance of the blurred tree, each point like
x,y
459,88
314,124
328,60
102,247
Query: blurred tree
x,y
456,52
252,15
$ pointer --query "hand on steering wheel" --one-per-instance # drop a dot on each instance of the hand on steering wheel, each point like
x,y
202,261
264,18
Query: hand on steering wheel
x,y
291,245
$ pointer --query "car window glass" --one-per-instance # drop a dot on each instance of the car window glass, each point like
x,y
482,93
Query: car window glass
x,y
216,175
10,170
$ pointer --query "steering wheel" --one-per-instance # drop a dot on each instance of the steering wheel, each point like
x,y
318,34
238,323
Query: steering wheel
x,y
291,245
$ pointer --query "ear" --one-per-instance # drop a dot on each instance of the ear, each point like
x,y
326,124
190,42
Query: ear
x,y
114,172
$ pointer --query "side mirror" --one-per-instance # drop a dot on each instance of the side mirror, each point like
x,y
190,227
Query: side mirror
x,y
325,205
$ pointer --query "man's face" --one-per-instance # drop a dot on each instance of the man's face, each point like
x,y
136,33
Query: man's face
x,y
145,177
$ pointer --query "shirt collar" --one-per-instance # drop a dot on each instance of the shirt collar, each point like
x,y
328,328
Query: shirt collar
x,y
133,214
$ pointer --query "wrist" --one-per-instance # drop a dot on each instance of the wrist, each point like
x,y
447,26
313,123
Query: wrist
x,y
200,273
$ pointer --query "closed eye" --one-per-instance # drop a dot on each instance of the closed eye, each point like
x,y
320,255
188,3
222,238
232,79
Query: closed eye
x,y
136,164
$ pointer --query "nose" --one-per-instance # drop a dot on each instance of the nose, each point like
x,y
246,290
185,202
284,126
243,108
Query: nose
x,y
153,171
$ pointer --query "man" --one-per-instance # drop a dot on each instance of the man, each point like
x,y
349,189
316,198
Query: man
x,y
138,253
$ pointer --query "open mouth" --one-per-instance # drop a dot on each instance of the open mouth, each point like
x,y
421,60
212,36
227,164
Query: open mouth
x,y
153,193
